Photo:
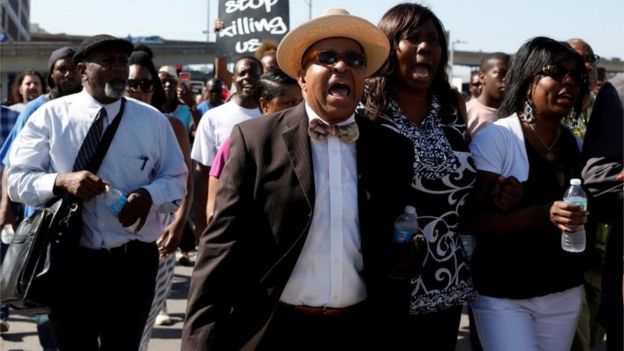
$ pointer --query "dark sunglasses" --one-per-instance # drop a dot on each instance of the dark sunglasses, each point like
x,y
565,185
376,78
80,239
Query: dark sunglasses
x,y
330,58
591,58
146,85
558,72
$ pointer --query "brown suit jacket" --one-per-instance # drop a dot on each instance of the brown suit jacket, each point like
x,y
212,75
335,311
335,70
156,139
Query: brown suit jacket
x,y
264,208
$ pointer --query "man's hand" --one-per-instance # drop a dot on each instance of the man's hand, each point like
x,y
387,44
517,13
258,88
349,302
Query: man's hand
x,y
7,216
218,25
137,208
6,212
507,193
170,239
185,94
82,184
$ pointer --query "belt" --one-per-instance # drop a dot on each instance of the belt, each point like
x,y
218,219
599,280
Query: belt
x,y
124,249
322,311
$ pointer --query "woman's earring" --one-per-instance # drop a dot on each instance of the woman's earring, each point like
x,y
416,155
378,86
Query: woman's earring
x,y
527,114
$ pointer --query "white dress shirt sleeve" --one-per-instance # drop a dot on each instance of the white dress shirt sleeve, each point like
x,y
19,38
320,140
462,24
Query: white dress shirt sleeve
x,y
170,175
30,178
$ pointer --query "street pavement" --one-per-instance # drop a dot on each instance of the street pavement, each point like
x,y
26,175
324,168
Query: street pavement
x,y
22,335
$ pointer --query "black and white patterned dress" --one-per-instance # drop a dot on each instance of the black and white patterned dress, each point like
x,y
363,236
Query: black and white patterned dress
x,y
444,176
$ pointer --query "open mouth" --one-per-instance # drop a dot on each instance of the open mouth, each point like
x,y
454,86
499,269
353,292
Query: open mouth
x,y
565,99
422,71
339,89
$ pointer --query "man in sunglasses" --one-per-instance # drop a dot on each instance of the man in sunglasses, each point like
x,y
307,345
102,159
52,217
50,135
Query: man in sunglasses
x,y
114,269
603,176
475,85
294,257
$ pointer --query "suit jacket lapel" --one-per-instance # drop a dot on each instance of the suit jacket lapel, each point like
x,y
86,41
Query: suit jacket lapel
x,y
298,146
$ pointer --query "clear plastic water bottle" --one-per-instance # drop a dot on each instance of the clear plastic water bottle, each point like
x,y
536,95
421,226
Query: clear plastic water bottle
x,y
405,226
406,245
114,199
575,195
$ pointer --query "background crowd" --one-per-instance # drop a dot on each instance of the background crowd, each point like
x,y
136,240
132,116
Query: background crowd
x,y
277,223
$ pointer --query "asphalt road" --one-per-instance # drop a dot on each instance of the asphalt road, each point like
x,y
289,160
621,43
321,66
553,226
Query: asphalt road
x,y
22,335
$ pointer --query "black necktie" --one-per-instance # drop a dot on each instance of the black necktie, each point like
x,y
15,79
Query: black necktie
x,y
91,141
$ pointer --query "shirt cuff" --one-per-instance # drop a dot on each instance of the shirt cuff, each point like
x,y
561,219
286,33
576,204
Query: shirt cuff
x,y
45,186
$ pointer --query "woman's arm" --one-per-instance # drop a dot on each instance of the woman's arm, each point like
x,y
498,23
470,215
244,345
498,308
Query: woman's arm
x,y
172,235
485,218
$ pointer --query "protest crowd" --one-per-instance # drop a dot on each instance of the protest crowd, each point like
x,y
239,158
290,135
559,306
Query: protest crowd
x,y
333,191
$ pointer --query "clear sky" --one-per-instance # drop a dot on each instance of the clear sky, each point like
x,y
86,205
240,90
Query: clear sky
x,y
486,25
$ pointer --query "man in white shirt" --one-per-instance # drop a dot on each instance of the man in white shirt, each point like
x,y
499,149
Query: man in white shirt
x,y
216,125
103,298
294,258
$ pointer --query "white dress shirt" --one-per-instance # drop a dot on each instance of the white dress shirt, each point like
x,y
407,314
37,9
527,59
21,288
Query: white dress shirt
x,y
215,126
143,154
327,272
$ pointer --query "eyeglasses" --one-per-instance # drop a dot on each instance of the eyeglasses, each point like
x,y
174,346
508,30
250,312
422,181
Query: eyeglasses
x,y
559,73
591,58
146,85
477,84
330,58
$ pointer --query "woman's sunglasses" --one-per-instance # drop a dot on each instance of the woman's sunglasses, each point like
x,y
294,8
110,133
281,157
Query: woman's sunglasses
x,y
559,73
145,85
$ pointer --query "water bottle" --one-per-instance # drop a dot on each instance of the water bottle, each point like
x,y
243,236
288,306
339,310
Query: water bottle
x,y
114,199
574,242
405,226
468,242
405,249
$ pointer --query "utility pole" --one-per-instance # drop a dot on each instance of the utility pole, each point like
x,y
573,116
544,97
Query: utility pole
x,y
452,56
309,3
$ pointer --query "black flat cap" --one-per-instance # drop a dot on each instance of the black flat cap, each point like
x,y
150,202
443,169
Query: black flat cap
x,y
98,41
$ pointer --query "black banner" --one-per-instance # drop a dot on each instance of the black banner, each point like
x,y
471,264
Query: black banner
x,y
248,22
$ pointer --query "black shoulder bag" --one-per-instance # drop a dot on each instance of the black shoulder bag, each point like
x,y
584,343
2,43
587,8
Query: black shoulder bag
x,y
45,242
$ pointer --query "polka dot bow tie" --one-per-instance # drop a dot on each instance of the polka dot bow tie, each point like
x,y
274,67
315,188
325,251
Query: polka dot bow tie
x,y
319,130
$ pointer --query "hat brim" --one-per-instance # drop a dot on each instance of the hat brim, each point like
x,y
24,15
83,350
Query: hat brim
x,y
296,42
120,43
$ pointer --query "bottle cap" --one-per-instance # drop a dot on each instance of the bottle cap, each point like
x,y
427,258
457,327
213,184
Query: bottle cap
x,y
410,210
575,181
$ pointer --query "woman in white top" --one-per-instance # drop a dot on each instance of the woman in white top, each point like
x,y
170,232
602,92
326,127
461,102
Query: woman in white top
x,y
528,290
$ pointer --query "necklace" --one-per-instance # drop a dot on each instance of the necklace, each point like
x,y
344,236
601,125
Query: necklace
x,y
549,155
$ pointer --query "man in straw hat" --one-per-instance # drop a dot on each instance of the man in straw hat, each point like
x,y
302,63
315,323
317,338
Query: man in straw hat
x,y
294,258
102,297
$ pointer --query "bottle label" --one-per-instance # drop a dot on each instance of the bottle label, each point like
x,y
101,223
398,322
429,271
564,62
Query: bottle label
x,y
118,204
577,200
403,237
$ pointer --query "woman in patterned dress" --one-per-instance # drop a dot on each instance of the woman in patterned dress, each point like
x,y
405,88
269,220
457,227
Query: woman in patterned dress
x,y
412,96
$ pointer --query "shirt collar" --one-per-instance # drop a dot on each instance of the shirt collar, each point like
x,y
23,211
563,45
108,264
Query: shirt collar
x,y
92,104
312,115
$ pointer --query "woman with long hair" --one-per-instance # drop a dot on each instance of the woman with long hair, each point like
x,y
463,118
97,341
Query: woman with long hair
x,y
411,95
528,289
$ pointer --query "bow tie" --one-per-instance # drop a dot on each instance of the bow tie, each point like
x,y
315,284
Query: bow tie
x,y
319,130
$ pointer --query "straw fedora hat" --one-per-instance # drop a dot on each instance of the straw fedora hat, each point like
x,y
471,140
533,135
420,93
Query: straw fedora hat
x,y
333,23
